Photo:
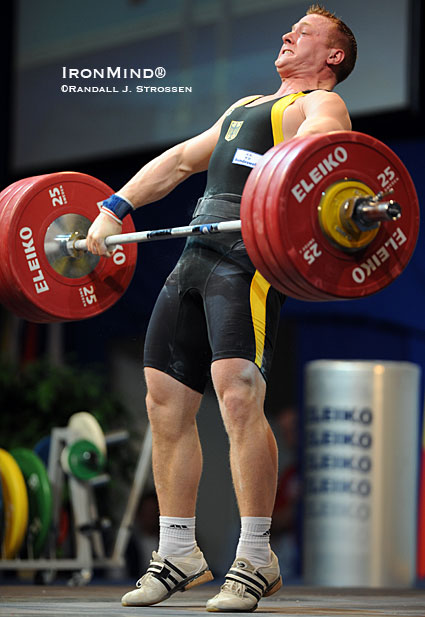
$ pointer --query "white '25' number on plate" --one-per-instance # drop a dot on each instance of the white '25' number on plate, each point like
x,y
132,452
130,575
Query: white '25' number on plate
x,y
386,176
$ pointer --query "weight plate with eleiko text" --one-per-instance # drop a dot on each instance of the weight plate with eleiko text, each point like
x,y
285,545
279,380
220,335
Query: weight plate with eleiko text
x,y
10,295
260,239
320,161
40,288
265,206
252,229
253,204
277,240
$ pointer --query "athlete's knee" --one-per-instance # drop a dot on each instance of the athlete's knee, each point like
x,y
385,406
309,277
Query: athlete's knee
x,y
171,406
158,397
167,422
241,396
159,413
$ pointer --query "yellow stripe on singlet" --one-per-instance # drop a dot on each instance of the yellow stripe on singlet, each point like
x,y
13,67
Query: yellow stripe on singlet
x,y
258,299
259,286
277,114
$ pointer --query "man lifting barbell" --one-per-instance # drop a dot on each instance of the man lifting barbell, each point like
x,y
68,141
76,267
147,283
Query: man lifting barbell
x,y
217,312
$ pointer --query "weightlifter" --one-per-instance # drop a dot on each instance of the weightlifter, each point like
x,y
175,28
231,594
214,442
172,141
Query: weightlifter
x,y
217,313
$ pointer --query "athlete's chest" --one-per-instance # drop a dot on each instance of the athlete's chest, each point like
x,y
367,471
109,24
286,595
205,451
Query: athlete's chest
x,y
262,121
247,124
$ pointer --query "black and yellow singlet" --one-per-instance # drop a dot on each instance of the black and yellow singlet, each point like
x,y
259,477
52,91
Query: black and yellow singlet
x,y
215,304
245,130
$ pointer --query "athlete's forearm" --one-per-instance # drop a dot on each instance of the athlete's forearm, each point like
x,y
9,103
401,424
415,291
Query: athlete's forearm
x,y
157,178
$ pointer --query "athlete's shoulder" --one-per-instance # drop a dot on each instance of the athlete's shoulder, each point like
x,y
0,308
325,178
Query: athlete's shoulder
x,y
321,96
324,103
317,100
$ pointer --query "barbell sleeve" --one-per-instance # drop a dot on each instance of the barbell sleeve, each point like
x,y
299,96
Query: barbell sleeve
x,y
159,234
369,213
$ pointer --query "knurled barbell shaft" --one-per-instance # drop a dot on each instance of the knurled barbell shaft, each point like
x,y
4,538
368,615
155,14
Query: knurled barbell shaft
x,y
160,234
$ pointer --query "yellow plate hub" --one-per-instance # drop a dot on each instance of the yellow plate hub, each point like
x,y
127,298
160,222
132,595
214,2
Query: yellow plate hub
x,y
336,223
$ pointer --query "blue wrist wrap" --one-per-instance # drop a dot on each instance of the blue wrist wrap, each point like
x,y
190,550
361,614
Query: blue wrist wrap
x,y
118,206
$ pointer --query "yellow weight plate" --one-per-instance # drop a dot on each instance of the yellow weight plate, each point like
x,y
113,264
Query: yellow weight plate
x,y
15,505
340,230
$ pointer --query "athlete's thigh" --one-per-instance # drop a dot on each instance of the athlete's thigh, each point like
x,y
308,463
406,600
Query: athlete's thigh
x,y
243,313
177,340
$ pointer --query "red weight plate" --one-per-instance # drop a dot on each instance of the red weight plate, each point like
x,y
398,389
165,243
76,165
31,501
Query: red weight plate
x,y
9,293
252,226
249,231
256,201
26,222
282,268
15,300
4,198
266,237
275,214
279,243
321,161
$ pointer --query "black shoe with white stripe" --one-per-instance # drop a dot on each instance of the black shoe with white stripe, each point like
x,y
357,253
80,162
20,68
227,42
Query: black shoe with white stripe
x,y
165,576
245,585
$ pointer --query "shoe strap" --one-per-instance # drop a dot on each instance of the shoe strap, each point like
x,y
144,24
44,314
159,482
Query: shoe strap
x,y
167,573
254,582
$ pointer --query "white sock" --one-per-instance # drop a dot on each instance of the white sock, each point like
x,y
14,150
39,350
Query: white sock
x,y
254,541
176,535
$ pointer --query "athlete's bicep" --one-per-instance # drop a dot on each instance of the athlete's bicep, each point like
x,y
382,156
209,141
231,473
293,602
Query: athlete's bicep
x,y
196,152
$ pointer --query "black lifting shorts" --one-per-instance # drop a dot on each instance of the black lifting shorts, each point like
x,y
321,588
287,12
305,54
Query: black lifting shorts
x,y
214,305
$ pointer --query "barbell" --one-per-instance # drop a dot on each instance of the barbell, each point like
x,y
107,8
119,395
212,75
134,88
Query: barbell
x,y
323,217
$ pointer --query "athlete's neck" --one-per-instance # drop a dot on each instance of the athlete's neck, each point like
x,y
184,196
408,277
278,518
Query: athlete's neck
x,y
290,85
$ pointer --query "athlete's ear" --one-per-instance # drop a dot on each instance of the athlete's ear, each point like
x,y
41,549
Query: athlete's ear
x,y
335,56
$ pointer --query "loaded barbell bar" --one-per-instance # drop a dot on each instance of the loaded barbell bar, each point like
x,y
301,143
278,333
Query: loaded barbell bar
x,y
367,213
313,219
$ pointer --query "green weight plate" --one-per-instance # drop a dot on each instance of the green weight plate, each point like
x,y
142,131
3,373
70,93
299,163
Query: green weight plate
x,y
85,426
83,459
39,497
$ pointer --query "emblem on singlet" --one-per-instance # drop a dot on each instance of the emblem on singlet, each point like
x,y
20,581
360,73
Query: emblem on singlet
x,y
233,130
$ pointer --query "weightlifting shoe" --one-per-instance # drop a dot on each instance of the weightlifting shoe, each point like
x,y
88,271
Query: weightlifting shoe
x,y
165,576
245,585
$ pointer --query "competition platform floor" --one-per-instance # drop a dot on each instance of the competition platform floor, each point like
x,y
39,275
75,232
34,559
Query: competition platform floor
x,y
104,601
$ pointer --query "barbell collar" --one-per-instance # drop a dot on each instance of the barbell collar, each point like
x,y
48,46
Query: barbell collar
x,y
77,244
